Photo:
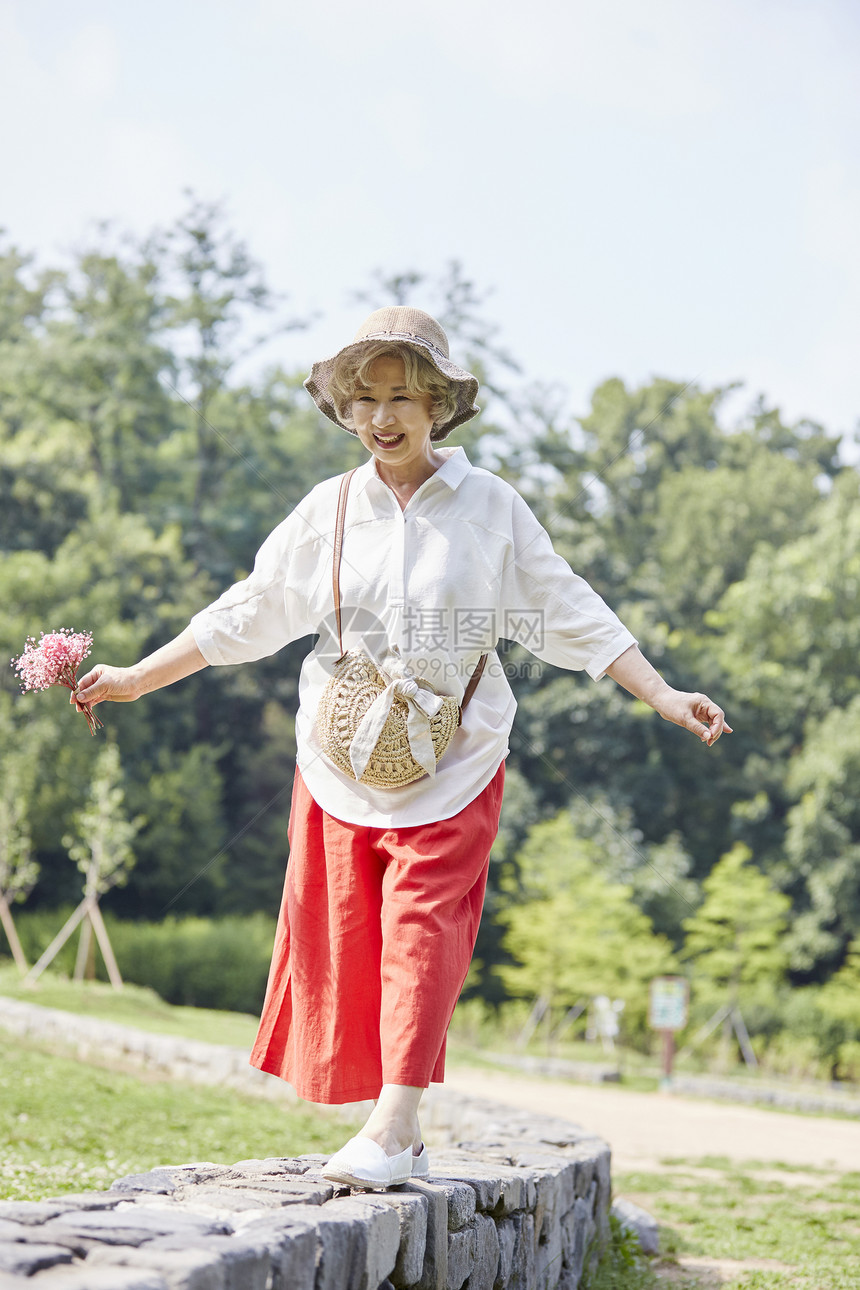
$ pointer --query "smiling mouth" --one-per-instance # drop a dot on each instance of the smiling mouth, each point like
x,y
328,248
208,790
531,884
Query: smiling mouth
x,y
389,441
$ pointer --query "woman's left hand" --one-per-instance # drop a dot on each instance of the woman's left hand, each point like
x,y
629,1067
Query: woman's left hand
x,y
695,712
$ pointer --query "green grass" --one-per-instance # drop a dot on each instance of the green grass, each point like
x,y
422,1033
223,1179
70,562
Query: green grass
x,y
812,1226
622,1266
134,1005
66,1126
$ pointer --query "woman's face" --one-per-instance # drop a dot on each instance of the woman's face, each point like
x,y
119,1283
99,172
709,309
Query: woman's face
x,y
392,423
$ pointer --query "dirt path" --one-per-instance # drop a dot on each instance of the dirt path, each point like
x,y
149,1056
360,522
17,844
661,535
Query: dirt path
x,y
643,1128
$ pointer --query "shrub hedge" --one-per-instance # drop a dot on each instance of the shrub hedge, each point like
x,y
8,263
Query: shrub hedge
x,y
200,962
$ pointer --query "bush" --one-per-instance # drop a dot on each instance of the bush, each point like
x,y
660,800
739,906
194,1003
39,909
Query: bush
x,y
849,1061
797,1056
200,962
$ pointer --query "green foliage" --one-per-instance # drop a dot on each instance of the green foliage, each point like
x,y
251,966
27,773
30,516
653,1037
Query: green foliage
x,y
139,473
102,848
574,934
840,997
195,962
622,1265
199,962
18,869
735,938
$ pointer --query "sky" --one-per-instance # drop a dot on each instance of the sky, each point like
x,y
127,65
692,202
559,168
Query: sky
x,y
670,189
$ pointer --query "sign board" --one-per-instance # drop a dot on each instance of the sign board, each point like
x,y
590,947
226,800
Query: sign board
x,y
669,1003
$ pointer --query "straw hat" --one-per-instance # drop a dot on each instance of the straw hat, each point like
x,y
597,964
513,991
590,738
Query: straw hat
x,y
417,329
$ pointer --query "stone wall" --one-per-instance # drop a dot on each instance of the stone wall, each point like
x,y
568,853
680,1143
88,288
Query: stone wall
x,y
514,1202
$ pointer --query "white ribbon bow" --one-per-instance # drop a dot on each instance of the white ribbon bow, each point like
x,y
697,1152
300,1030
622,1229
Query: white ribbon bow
x,y
423,704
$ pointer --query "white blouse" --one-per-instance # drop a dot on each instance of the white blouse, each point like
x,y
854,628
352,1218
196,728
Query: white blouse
x,y
433,586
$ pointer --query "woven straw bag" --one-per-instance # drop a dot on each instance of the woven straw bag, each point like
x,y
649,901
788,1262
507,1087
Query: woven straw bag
x,y
382,729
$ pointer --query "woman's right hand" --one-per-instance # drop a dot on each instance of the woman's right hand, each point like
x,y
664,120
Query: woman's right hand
x,y
117,684
173,661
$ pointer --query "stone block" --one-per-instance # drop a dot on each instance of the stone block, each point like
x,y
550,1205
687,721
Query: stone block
x,y
8,1281
207,1197
30,1212
80,1230
548,1257
461,1256
291,1237
159,1181
86,1200
292,1250
633,1218
272,1166
522,1258
555,1183
486,1184
584,1175
603,1174
17,1231
96,1278
506,1232
517,1190
243,1264
486,1265
460,1199
289,1189
577,1235
411,1210
434,1274
534,1156
181,1269
358,1240
485,1150
286,1218
23,1258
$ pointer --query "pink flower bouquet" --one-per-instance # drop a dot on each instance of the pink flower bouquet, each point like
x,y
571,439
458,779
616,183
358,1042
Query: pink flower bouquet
x,y
55,661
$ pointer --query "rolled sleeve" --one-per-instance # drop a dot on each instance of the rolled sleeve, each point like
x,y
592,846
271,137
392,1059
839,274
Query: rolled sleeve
x,y
265,611
551,610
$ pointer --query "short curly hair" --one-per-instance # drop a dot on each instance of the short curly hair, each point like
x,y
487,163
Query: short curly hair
x,y
352,371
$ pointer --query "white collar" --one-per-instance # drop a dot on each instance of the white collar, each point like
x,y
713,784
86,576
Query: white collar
x,y
452,472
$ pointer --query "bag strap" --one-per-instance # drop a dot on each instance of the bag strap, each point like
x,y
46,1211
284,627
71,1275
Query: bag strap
x,y
337,552
336,557
473,680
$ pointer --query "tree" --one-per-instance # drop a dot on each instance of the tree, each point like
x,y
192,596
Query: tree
x,y
18,869
735,939
840,997
212,287
821,867
572,933
789,630
101,848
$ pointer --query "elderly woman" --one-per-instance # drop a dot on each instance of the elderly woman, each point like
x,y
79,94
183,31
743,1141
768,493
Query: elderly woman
x,y
408,570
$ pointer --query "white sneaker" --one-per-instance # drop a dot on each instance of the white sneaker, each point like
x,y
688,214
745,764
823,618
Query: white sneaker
x,y
363,1163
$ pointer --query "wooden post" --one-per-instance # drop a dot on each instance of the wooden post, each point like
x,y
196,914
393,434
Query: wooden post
x,y
12,934
668,1011
105,946
83,950
57,943
87,925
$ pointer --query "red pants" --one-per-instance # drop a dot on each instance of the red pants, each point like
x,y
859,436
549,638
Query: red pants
x,y
374,941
